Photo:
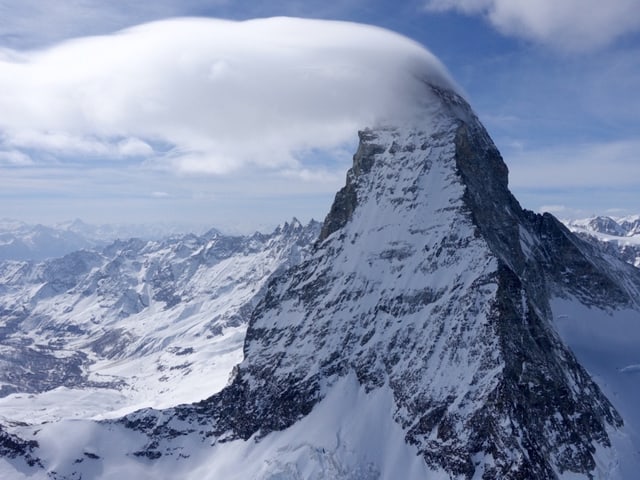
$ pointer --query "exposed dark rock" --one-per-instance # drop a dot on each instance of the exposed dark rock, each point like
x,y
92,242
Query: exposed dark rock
x,y
14,447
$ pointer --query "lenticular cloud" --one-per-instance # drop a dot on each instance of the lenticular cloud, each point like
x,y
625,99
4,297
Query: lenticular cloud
x,y
217,95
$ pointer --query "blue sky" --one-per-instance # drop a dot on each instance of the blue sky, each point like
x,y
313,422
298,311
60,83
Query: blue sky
x,y
555,82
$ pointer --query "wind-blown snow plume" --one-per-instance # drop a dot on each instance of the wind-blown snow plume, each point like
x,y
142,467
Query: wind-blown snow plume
x,y
209,95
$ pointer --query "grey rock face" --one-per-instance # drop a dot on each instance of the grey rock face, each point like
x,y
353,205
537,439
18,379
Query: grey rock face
x,y
346,199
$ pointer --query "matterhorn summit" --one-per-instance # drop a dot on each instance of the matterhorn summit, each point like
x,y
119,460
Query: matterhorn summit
x,y
427,336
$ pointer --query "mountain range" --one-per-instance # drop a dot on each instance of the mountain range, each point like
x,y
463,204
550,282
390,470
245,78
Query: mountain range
x,y
24,241
136,323
617,236
435,329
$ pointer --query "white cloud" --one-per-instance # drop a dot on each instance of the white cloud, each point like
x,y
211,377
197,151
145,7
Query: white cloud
x,y
571,25
60,142
32,23
315,175
555,209
160,194
14,158
134,147
594,165
221,94
37,22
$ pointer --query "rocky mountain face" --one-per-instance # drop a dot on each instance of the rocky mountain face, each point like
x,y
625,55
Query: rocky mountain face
x,y
137,319
615,236
417,340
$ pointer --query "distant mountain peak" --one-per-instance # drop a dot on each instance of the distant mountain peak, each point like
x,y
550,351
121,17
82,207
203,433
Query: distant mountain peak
x,y
618,236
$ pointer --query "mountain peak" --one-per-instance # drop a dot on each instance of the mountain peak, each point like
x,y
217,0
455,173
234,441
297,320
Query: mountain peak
x,y
427,300
443,119
429,281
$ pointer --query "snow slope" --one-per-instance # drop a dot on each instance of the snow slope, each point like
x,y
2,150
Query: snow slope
x,y
606,342
337,440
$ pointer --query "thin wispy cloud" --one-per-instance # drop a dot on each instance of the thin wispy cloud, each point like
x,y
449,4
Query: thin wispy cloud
x,y
34,23
37,23
555,209
570,25
65,143
588,165
14,158
221,94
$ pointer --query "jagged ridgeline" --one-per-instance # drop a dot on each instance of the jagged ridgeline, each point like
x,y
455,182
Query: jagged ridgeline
x,y
415,342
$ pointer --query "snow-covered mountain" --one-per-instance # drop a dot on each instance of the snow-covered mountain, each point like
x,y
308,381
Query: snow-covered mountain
x,y
137,323
617,236
436,331
23,241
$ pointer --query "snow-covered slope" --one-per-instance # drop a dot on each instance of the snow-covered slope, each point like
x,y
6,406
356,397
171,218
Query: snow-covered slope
x,y
135,324
606,342
418,340
616,236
